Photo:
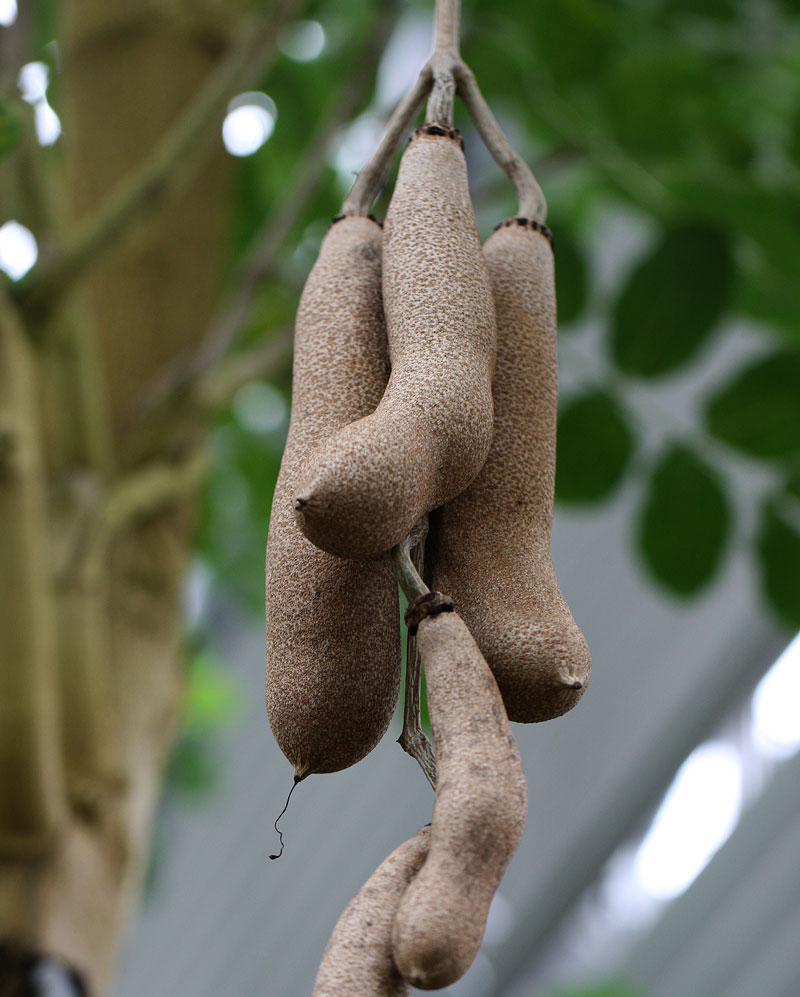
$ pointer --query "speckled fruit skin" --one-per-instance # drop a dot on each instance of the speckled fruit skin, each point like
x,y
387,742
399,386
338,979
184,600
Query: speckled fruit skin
x,y
489,548
358,957
366,487
333,659
479,813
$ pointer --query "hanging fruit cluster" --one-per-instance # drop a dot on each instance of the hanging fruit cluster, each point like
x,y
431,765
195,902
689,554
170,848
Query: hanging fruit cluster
x,y
424,400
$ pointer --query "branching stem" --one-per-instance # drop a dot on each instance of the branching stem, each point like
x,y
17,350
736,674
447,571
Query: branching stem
x,y
447,27
173,161
177,403
32,802
408,560
146,491
370,180
170,392
444,60
408,578
260,260
532,202
444,76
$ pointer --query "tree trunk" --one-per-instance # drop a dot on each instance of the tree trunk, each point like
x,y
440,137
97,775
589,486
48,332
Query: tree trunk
x,y
90,684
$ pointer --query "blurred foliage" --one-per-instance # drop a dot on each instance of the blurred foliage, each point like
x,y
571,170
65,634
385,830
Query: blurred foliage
x,y
211,701
595,445
685,521
234,517
759,411
672,302
211,698
682,114
598,990
9,127
685,112
779,557
572,287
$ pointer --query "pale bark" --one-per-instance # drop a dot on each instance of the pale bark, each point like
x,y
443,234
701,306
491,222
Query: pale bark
x,y
92,560
31,801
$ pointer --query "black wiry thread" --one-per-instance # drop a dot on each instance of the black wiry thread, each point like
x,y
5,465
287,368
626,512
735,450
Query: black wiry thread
x,y
280,833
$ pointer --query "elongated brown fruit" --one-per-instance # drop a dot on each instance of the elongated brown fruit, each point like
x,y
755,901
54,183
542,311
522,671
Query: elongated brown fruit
x,y
478,816
358,957
489,548
366,487
333,659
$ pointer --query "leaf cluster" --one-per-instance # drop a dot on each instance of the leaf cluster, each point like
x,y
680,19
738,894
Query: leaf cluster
x,y
681,113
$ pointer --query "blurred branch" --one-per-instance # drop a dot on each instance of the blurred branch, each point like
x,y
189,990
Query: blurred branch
x,y
15,46
447,37
606,154
182,383
260,259
193,404
217,389
32,800
532,203
90,747
370,180
148,490
412,738
173,161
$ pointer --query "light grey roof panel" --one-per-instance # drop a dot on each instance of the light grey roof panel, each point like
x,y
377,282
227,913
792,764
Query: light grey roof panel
x,y
225,919
717,931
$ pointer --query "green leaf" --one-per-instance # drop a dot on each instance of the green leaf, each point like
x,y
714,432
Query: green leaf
x,y
759,411
651,96
234,514
778,548
793,143
770,296
595,446
768,218
10,129
194,768
572,275
575,39
672,301
792,484
722,10
46,23
212,697
769,225
685,522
